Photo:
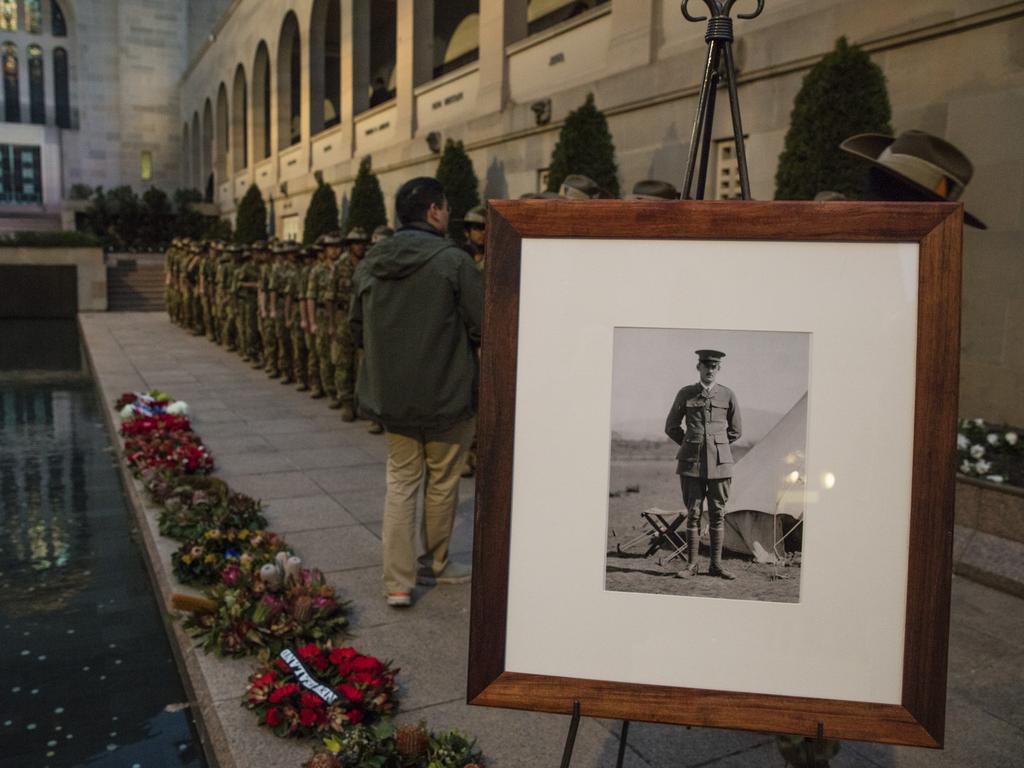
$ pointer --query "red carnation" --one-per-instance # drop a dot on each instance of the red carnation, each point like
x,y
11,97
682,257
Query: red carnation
x,y
263,680
311,700
273,717
308,717
350,692
339,655
361,677
308,652
282,693
367,664
355,716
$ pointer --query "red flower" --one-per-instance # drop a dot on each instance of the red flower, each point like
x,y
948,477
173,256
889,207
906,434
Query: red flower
x,y
309,717
273,717
339,655
361,677
311,700
309,653
367,664
350,692
320,663
282,693
263,680
355,716
280,664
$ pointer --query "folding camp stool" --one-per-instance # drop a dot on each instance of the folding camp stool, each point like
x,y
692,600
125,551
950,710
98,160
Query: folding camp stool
x,y
660,531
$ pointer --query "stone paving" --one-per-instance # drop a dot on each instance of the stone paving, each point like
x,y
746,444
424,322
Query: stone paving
x,y
323,483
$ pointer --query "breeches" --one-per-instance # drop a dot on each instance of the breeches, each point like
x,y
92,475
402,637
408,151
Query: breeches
x,y
695,490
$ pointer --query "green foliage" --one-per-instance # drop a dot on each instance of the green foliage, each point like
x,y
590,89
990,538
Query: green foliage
x,y
367,208
456,174
585,146
251,222
844,94
57,239
80,192
322,214
157,225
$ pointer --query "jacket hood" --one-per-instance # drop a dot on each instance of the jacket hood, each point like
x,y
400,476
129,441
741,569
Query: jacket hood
x,y
405,252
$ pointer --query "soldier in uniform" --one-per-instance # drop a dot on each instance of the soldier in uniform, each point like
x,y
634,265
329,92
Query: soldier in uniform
x,y
246,310
268,336
383,232
343,350
225,298
281,276
475,223
579,187
193,289
321,302
207,289
300,320
704,421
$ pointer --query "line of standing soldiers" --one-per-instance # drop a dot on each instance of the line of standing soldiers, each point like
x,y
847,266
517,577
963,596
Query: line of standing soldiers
x,y
281,306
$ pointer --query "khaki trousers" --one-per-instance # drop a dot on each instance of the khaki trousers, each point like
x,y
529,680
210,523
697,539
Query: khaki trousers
x,y
411,455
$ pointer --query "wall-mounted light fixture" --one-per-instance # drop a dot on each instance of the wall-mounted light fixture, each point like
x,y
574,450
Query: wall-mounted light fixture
x,y
542,111
434,141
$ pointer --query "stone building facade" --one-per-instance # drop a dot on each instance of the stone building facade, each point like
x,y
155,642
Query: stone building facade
x,y
225,93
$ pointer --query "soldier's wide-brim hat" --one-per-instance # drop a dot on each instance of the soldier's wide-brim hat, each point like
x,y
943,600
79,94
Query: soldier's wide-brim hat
x,y
653,189
356,235
285,249
576,186
475,217
540,196
383,232
923,162
709,355
330,238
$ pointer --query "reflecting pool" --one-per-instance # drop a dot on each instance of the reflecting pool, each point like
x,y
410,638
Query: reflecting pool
x,y
87,677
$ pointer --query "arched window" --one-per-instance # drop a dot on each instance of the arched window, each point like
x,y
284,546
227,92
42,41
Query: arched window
x,y
383,30
60,87
207,152
220,154
57,23
36,100
12,104
325,65
261,103
289,83
456,34
34,16
541,14
239,122
9,15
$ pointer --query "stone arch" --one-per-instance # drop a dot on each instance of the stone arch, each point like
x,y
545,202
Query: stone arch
x,y
289,83
456,34
325,65
261,103
239,122
206,162
194,154
220,154
186,155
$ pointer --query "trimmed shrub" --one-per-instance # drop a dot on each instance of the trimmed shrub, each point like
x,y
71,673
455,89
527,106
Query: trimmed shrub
x,y
251,221
843,94
322,214
367,208
456,174
585,146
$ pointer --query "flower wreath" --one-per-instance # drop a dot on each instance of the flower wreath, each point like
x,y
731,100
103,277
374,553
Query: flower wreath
x,y
202,560
190,521
252,616
322,691
182,451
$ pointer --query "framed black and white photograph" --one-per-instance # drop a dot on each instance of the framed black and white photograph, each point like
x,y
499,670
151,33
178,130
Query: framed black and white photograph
x,y
752,387
786,370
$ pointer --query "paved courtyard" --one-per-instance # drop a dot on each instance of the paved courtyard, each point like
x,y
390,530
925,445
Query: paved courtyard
x,y
323,483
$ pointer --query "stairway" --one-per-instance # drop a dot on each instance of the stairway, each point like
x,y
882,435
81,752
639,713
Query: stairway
x,y
136,286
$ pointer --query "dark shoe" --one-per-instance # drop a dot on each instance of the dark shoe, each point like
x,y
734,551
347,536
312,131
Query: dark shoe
x,y
257,363
347,413
274,375
688,571
721,573
318,394
287,380
375,428
303,387
334,405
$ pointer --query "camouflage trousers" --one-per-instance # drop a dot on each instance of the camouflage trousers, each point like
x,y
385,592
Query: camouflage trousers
x,y
343,358
284,347
320,367
268,343
300,354
248,330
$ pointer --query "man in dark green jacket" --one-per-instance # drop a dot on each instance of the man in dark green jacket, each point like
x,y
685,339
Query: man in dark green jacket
x,y
416,310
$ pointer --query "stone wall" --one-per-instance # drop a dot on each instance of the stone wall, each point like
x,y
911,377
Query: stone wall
x,y
91,270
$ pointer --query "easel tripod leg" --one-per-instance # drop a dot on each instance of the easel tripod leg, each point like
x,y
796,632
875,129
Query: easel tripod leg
x,y
699,120
570,739
737,123
623,740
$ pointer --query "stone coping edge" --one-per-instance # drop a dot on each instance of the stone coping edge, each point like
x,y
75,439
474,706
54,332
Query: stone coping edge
x,y
1009,490
211,731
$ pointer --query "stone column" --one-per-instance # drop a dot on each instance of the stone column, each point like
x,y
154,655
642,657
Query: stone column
x,y
502,22
305,82
355,66
414,60
632,40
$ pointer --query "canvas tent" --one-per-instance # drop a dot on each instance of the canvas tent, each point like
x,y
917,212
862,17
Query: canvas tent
x,y
767,496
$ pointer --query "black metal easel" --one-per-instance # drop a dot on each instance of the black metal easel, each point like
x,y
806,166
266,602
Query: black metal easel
x,y
719,38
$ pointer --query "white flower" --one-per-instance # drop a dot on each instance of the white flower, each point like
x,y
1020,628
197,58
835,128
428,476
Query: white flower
x,y
1010,438
966,467
979,422
177,408
126,412
995,478
962,441
977,451
992,438
982,467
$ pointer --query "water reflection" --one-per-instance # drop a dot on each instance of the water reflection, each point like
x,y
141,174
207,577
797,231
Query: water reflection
x,y
86,673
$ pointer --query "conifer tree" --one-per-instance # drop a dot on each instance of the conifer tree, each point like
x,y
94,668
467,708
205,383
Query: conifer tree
x,y
322,214
366,210
456,174
843,94
251,222
585,146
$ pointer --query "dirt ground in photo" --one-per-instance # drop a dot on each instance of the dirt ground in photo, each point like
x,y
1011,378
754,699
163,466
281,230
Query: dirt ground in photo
x,y
649,480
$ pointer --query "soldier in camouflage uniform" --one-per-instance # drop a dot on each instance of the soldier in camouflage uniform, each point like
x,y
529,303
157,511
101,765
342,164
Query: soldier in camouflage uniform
x,y
193,284
343,348
281,277
268,335
223,306
320,276
300,321
207,282
243,288
170,271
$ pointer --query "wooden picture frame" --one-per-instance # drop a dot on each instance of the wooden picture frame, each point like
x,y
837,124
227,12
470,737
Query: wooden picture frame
x,y
917,715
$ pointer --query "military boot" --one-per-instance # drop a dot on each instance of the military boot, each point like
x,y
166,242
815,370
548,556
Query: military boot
x,y
348,413
717,539
692,552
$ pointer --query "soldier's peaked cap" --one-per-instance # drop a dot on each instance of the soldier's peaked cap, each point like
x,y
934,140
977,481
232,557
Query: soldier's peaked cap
x,y
653,189
709,355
